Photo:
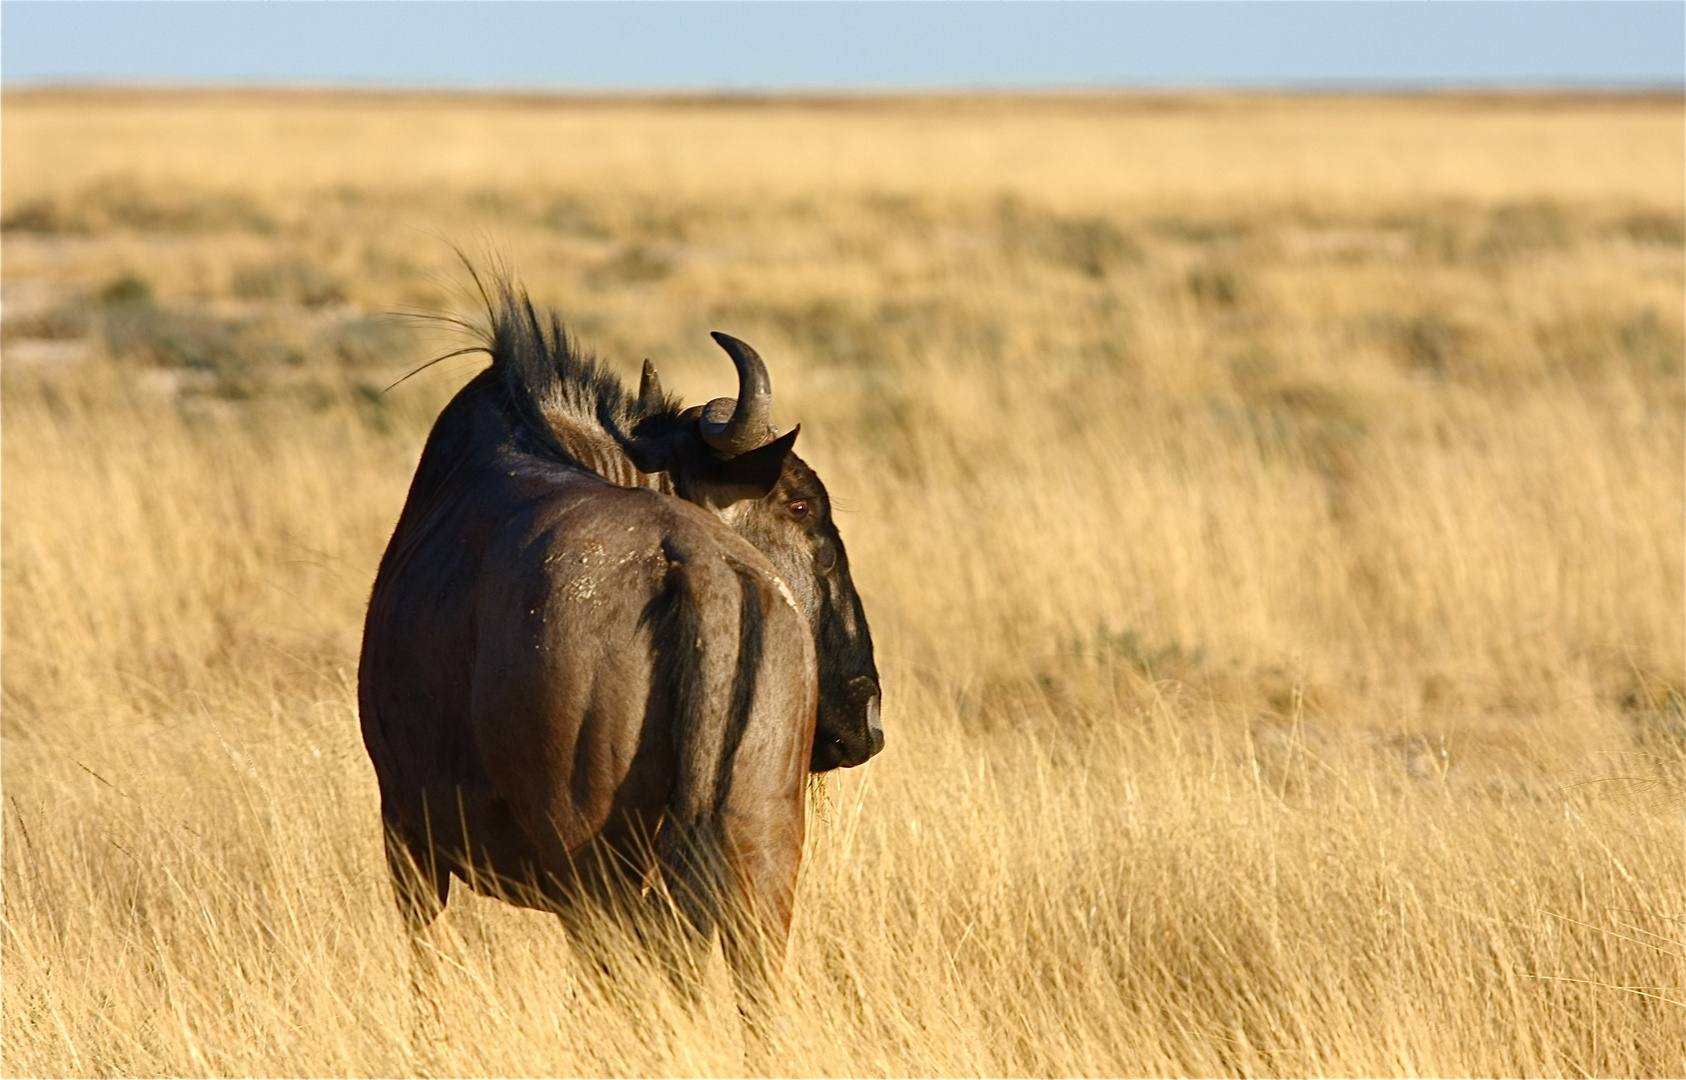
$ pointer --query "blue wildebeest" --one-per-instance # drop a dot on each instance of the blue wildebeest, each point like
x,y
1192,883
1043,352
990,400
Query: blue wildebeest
x,y
608,641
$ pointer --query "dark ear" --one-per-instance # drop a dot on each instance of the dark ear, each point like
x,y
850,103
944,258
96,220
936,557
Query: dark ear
x,y
647,446
647,455
757,471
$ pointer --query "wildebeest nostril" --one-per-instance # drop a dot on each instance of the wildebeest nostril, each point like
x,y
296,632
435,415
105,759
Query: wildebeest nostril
x,y
863,685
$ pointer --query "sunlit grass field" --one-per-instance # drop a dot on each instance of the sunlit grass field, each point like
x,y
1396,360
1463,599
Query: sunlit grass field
x,y
1270,512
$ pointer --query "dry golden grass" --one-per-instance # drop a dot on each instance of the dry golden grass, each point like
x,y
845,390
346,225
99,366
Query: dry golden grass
x,y
1270,511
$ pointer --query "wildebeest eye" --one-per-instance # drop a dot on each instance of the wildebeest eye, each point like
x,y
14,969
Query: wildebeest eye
x,y
798,509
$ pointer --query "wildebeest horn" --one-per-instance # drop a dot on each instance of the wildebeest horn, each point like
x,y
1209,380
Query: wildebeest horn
x,y
736,427
650,388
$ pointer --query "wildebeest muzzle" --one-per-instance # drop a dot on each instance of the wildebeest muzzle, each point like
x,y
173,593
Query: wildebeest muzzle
x,y
850,732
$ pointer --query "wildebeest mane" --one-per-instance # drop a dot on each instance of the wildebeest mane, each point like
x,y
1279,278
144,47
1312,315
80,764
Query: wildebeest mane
x,y
564,403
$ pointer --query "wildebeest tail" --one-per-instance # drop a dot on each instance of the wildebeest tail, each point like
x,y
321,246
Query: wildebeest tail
x,y
710,694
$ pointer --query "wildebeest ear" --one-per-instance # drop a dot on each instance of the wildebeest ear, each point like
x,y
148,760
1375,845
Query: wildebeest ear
x,y
758,470
647,455
647,445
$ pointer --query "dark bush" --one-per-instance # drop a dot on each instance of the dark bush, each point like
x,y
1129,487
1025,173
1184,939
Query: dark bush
x,y
1522,228
635,264
573,216
1215,287
1429,342
290,280
127,290
1654,227
368,341
1092,246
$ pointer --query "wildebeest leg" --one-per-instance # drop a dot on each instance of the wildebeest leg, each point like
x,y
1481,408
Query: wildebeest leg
x,y
738,874
421,887
600,905
419,884
754,928
680,919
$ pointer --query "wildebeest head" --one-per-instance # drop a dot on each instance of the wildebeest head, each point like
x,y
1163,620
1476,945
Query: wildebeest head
x,y
727,457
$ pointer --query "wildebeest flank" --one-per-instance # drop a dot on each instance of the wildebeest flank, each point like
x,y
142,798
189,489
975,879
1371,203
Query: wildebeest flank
x,y
607,642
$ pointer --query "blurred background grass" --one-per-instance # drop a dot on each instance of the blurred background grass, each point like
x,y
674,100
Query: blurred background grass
x,y
1270,511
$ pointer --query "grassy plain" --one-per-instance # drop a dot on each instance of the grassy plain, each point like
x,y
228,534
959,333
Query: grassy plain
x,y
1270,511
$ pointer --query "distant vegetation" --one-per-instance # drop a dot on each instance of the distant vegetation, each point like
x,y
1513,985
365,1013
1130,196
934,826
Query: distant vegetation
x,y
1270,512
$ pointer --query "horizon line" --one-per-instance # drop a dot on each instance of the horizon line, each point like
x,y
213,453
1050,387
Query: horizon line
x,y
1602,87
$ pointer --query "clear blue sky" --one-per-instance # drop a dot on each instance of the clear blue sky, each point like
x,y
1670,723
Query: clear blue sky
x,y
694,44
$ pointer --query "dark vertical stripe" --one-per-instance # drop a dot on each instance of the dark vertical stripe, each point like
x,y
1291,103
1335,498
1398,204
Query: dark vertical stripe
x,y
751,629
675,633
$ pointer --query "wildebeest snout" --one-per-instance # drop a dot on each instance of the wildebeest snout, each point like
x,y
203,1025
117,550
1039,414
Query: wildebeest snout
x,y
850,731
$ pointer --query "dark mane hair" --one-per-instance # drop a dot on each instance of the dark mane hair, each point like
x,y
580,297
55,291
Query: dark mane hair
x,y
565,404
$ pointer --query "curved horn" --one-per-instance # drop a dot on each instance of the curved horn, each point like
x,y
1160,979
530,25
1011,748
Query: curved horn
x,y
750,422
